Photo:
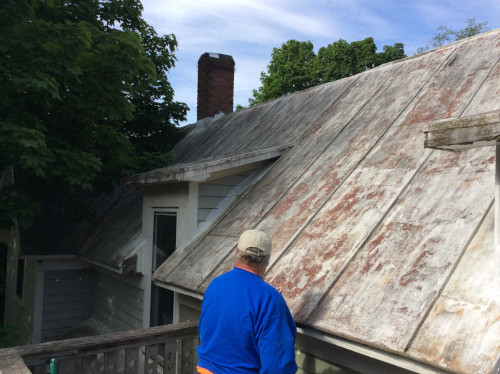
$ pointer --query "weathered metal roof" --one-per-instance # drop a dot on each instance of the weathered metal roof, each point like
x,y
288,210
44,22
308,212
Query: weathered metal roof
x,y
376,239
117,238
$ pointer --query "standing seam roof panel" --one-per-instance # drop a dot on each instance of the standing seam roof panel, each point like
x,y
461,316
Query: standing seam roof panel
x,y
290,167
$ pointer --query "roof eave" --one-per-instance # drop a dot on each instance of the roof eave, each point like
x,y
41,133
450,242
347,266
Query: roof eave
x,y
205,170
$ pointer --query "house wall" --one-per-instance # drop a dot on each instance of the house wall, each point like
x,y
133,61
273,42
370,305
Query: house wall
x,y
19,312
118,301
166,196
67,297
189,308
210,194
171,196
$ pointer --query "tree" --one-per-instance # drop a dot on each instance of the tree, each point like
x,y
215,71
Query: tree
x,y
295,67
84,100
290,70
341,59
447,35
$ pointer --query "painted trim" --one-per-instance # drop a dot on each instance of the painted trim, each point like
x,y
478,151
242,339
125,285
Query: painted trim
x,y
148,258
38,307
49,257
102,265
57,264
175,318
179,290
192,210
496,244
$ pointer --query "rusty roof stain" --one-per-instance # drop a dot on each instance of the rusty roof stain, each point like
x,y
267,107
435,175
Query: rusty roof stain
x,y
376,239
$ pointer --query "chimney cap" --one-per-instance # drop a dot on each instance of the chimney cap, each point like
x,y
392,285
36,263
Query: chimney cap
x,y
217,59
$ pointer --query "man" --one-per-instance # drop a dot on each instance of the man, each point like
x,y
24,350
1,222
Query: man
x,y
245,324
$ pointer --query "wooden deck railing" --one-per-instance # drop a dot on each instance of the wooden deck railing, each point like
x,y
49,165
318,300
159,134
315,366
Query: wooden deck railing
x,y
163,349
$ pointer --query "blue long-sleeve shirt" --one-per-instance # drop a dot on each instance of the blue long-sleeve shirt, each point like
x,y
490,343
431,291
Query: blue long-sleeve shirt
x,y
245,327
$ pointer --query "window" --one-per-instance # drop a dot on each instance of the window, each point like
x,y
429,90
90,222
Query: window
x,y
20,278
164,243
164,237
3,277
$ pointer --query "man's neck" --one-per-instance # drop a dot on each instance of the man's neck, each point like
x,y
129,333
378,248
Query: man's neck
x,y
256,269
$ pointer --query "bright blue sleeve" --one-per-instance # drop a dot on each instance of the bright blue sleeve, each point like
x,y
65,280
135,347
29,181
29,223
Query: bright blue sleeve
x,y
276,345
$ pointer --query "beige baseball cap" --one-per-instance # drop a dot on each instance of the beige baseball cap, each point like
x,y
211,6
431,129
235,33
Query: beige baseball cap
x,y
251,240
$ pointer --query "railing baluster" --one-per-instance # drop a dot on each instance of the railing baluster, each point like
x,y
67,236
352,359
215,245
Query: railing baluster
x,y
40,369
151,359
132,361
66,366
89,364
169,356
79,365
111,362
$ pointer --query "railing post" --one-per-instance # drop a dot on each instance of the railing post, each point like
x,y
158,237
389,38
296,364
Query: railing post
x,y
187,364
170,355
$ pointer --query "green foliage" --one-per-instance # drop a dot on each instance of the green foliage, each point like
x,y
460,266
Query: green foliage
x,y
447,35
8,337
290,70
295,66
84,96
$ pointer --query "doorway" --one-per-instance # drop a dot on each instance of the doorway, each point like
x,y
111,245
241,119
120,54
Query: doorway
x,y
164,244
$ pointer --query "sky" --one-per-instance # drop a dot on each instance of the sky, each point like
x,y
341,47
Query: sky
x,y
248,30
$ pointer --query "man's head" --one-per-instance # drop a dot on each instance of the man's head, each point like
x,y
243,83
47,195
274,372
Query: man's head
x,y
254,250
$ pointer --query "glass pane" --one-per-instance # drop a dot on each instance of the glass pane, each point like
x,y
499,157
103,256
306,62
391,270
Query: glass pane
x,y
164,237
20,277
164,241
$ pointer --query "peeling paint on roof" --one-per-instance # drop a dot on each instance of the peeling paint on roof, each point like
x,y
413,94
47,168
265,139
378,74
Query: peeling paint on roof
x,y
376,239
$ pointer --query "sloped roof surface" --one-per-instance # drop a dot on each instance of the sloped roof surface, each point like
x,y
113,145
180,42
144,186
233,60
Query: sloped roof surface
x,y
376,239
250,130
118,235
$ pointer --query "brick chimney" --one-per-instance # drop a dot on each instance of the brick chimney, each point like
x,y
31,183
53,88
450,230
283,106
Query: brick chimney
x,y
215,84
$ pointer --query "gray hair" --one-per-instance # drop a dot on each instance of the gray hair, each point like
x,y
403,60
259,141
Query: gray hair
x,y
249,259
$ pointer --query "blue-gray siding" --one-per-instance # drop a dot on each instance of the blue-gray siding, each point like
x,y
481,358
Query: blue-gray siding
x,y
67,300
118,302
210,194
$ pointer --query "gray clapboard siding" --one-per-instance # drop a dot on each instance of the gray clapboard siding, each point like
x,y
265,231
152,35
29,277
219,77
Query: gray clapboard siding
x,y
19,311
189,308
54,304
118,303
67,300
211,194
